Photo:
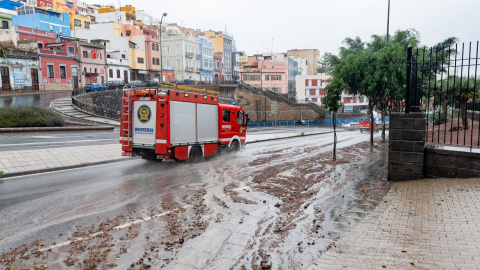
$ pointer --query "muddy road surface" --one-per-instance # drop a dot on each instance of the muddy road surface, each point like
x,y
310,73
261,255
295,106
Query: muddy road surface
x,y
279,204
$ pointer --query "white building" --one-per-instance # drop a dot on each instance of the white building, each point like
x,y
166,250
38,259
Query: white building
x,y
181,53
311,88
145,18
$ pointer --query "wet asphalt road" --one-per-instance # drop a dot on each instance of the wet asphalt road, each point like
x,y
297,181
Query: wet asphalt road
x,y
29,141
37,99
50,206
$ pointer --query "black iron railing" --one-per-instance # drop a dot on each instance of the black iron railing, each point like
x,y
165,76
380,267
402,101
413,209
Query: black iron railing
x,y
444,83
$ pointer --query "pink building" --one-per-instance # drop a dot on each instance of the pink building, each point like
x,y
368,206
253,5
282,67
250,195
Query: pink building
x,y
92,63
271,75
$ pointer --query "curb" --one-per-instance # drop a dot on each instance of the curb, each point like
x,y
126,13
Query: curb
x,y
25,173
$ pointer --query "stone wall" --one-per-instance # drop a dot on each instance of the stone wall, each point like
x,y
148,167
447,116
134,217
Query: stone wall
x,y
56,86
406,146
460,163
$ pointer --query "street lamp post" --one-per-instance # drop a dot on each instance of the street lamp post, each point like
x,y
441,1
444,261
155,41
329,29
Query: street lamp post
x,y
388,20
161,49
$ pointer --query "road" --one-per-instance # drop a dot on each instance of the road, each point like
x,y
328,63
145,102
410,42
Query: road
x,y
281,201
29,141
38,99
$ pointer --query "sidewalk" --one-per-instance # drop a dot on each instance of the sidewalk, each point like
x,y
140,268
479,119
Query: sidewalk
x,y
422,224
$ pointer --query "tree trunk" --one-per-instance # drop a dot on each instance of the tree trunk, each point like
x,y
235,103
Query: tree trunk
x,y
334,137
444,108
383,121
370,107
463,110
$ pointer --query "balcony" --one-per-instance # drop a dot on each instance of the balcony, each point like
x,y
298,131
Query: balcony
x,y
189,55
189,69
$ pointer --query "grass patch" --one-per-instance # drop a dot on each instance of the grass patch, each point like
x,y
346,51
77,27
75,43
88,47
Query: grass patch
x,y
29,116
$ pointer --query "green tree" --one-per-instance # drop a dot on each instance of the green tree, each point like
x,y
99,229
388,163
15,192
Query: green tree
x,y
332,102
3,53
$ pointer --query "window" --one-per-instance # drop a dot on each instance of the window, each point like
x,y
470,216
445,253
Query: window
x,y
153,46
40,45
226,115
71,49
268,77
77,22
240,118
277,77
60,29
255,78
179,65
63,72
118,74
51,27
312,92
50,71
154,61
156,47
140,60
168,63
95,71
167,49
85,54
178,48
86,25
100,55
110,73
248,77
123,56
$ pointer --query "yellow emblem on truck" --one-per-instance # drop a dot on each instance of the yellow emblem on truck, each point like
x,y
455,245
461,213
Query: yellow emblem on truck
x,y
144,114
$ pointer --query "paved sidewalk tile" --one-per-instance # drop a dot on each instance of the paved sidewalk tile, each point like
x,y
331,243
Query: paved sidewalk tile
x,y
42,159
423,224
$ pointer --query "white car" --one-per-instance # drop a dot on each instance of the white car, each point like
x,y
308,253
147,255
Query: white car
x,y
350,126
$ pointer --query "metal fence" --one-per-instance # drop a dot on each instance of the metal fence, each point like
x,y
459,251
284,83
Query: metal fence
x,y
443,82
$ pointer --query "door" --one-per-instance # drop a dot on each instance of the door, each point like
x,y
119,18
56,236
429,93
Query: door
x,y
74,71
125,75
34,73
5,78
144,120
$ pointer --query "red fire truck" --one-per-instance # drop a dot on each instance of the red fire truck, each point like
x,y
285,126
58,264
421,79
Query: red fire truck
x,y
179,125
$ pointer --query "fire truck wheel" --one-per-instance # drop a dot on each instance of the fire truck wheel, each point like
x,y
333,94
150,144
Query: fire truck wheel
x,y
195,155
235,147
149,156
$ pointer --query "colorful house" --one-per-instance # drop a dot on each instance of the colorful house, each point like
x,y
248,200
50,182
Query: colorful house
x,y
58,59
45,20
19,71
10,5
92,63
6,18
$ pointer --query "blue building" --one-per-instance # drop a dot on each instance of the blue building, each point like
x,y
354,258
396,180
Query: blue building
x,y
41,19
206,60
292,74
10,5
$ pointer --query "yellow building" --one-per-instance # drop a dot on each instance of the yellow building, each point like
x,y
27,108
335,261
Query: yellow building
x,y
130,12
61,6
137,59
217,39
106,10
78,22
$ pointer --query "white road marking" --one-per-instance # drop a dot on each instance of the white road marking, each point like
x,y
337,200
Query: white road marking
x,y
119,227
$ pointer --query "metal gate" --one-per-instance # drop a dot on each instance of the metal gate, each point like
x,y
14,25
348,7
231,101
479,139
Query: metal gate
x,y
443,82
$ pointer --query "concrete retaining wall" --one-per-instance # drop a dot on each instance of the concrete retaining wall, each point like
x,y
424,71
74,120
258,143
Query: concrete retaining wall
x,y
449,163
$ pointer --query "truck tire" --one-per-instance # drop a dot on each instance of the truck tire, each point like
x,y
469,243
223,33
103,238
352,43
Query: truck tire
x,y
195,155
235,147
149,156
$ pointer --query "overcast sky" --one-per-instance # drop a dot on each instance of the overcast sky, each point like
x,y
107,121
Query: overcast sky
x,y
317,24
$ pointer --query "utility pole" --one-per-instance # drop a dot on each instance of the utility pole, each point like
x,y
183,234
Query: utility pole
x,y
383,100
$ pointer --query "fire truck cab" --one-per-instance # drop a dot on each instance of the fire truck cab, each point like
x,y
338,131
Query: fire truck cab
x,y
179,125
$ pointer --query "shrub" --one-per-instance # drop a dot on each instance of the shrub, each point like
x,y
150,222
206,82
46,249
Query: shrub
x,y
29,116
